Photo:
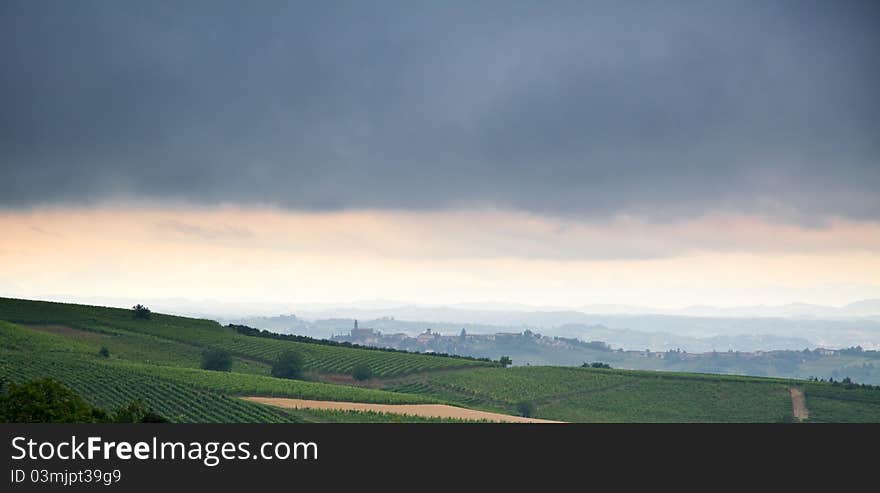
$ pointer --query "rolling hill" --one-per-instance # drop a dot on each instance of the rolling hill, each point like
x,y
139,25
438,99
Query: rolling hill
x,y
158,360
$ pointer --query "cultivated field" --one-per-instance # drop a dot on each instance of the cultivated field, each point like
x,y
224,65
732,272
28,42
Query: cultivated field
x,y
588,394
158,361
142,336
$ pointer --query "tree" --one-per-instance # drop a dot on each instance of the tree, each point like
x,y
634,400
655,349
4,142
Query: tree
x,y
216,360
104,352
362,372
141,312
46,401
525,409
288,365
505,361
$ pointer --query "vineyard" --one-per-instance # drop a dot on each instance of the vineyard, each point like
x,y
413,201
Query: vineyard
x,y
39,352
109,386
179,392
839,404
679,401
525,383
598,395
111,358
330,359
235,384
166,339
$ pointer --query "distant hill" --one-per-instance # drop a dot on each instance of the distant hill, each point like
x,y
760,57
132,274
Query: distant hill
x,y
655,332
864,308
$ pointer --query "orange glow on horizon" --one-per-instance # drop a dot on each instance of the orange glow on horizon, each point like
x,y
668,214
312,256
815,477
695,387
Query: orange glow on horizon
x,y
436,257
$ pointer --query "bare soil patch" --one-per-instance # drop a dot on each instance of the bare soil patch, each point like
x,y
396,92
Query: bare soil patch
x,y
425,410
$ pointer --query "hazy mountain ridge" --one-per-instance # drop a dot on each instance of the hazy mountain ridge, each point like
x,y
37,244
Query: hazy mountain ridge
x,y
490,312
792,326
654,332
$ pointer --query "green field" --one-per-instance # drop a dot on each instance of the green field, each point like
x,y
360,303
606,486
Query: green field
x,y
839,404
192,336
158,361
597,395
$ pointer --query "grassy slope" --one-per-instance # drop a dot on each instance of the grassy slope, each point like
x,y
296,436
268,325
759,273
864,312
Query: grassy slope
x,y
830,403
158,360
601,395
22,348
585,394
253,352
860,368
64,345
145,348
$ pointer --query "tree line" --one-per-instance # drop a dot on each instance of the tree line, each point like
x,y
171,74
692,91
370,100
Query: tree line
x,y
250,331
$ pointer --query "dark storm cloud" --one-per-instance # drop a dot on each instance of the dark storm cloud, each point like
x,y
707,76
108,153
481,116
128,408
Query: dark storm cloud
x,y
660,109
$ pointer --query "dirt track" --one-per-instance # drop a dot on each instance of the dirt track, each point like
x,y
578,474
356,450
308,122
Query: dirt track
x,y
426,410
799,404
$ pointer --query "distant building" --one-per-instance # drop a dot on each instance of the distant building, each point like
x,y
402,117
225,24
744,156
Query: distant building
x,y
426,337
358,333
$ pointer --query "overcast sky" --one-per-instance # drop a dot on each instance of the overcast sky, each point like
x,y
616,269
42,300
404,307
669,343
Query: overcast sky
x,y
583,108
584,131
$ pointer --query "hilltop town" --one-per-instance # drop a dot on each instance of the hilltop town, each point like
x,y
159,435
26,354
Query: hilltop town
x,y
532,348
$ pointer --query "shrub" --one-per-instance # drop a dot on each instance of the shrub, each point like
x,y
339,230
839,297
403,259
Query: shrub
x,y
288,365
104,352
362,372
137,411
596,365
216,360
46,401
